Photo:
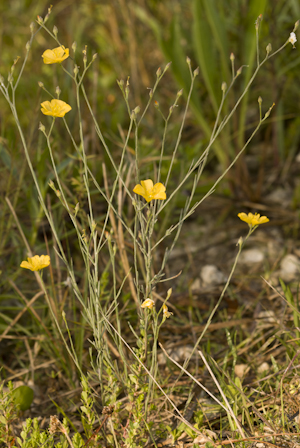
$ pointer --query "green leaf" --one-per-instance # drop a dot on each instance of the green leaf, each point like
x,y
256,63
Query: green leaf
x,y
23,396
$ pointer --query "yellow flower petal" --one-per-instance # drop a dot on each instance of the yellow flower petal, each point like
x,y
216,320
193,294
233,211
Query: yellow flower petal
x,y
55,108
57,55
253,220
148,303
150,191
36,263
166,312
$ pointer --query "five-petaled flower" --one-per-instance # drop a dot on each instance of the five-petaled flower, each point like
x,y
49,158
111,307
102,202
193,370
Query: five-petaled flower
x,y
36,263
148,303
150,191
55,108
166,312
253,220
293,39
57,55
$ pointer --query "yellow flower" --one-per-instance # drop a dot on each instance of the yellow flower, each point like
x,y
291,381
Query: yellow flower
x,y
166,313
57,55
55,108
150,191
253,220
148,303
36,263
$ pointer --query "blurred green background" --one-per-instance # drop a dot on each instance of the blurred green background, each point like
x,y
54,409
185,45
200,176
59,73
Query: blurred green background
x,y
133,39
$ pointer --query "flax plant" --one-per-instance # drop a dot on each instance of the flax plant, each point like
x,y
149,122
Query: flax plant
x,y
115,364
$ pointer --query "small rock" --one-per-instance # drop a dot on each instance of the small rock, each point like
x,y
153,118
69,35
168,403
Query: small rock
x,y
179,354
289,268
264,367
280,196
251,256
267,316
241,369
196,285
206,436
211,275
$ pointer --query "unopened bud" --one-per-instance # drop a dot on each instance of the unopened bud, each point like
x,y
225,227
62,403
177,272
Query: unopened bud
x,y
42,127
296,26
269,111
27,46
179,93
32,27
41,84
239,71
136,110
196,72
55,31
158,72
76,70
95,56
232,57
156,104
150,93
188,61
269,49
224,87
259,100
169,292
51,184
40,20
58,91
74,46
167,67
240,242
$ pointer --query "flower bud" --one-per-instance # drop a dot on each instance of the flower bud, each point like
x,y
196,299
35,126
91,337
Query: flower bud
x,y
259,100
269,49
158,72
58,91
196,72
167,67
41,84
27,46
74,46
55,31
40,20
32,27
224,87
232,57
42,128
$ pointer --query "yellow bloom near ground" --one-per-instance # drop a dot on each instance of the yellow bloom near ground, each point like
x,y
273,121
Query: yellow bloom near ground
x,y
55,56
148,303
55,108
150,191
253,220
36,263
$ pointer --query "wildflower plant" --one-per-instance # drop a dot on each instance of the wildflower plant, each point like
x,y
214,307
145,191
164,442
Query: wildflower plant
x,y
114,364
